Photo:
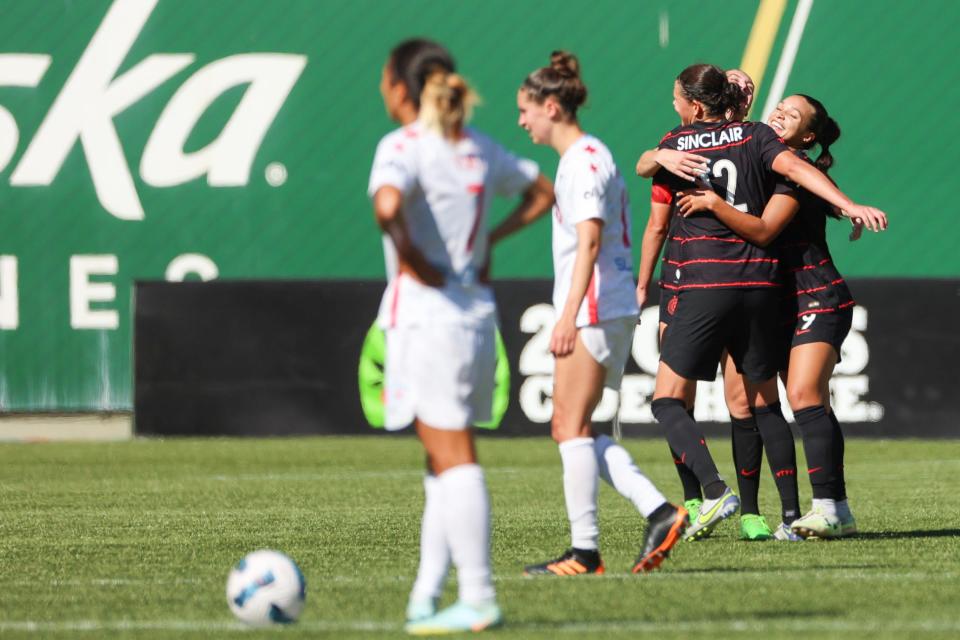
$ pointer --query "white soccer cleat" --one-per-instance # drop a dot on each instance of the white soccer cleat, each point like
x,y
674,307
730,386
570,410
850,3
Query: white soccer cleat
x,y
458,618
817,524
783,533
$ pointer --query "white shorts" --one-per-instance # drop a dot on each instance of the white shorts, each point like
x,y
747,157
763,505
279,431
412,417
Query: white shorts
x,y
609,343
442,375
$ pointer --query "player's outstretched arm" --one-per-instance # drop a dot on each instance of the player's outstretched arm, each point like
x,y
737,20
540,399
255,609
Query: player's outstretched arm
x,y
814,181
388,210
760,231
680,163
536,201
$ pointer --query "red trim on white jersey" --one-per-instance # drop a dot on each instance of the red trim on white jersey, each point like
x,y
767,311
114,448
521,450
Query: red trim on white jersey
x,y
395,302
592,296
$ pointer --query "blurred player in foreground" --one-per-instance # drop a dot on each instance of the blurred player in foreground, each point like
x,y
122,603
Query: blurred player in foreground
x,y
431,184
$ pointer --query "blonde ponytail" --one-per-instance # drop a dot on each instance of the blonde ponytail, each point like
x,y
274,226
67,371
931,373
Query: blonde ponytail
x,y
446,103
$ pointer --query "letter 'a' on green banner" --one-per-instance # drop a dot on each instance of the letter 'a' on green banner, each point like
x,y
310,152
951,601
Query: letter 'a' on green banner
x,y
370,374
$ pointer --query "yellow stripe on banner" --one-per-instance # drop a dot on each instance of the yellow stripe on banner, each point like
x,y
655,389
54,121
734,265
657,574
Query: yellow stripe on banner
x,y
760,43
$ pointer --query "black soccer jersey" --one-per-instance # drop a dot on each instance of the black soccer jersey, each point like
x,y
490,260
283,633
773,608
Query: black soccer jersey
x,y
810,276
701,251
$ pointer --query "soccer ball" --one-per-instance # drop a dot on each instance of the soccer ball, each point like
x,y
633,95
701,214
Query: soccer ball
x,y
266,588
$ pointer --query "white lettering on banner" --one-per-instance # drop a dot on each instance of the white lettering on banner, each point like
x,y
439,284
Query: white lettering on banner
x,y
83,292
92,96
535,398
196,263
9,300
536,357
17,70
226,161
849,386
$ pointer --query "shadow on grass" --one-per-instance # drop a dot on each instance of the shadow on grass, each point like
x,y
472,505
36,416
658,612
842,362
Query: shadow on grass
x,y
801,569
896,535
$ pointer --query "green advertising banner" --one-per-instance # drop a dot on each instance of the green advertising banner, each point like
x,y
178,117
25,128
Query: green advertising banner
x,y
177,139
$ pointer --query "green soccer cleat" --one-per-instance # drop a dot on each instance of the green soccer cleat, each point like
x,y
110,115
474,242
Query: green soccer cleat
x,y
817,524
754,527
457,618
712,512
693,507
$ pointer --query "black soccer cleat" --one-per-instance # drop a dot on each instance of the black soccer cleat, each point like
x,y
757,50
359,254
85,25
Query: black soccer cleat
x,y
573,562
663,532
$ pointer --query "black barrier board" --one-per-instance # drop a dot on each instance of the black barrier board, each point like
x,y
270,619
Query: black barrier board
x,y
281,357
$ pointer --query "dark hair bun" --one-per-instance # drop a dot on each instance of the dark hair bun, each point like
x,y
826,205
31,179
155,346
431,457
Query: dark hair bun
x,y
565,64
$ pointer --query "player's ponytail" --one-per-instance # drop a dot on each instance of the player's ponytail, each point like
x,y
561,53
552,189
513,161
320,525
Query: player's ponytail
x,y
826,131
412,61
446,103
561,80
708,85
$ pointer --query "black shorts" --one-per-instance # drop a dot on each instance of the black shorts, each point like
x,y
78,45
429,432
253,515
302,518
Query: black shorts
x,y
745,322
831,327
668,305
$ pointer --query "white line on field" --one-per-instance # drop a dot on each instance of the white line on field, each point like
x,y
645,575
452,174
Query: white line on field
x,y
799,624
787,57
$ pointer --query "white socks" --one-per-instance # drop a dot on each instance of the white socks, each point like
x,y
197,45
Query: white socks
x,y
465,511
826,506
619,471
434,552
580,485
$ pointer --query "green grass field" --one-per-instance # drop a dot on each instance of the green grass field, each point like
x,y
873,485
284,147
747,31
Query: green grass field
x,y
135,540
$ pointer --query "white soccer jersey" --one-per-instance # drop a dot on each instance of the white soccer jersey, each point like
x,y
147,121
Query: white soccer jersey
x,y
447,188
588,185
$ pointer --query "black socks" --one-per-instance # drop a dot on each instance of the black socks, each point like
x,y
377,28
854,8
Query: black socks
x,y
838,453
782,456
691,486
747,457
686,440
821,449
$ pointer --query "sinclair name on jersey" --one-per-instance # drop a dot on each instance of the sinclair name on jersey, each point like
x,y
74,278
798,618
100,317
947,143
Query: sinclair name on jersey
x,y
710,139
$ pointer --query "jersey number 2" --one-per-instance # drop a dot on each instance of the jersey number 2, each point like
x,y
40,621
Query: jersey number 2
x,y
727,166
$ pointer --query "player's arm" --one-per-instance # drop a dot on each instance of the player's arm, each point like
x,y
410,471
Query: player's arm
x,y
588,248
813,180
388,211
680,163
654,236
535,201
760,231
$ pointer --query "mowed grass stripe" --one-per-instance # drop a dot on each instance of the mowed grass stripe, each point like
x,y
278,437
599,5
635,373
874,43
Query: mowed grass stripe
x,y
135,540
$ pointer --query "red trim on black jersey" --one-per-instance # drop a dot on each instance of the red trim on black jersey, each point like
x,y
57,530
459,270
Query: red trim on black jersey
x,y
714,285
721,261
726,146
686,240
808,267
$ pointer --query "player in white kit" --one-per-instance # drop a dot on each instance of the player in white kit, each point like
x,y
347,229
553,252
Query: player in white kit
x,y
431,183
596,314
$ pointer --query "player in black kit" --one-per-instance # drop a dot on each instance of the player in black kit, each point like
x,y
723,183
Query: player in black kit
x,y
817,310
727,287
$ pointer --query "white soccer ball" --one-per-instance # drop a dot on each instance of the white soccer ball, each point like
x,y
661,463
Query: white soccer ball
x,y
266,588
